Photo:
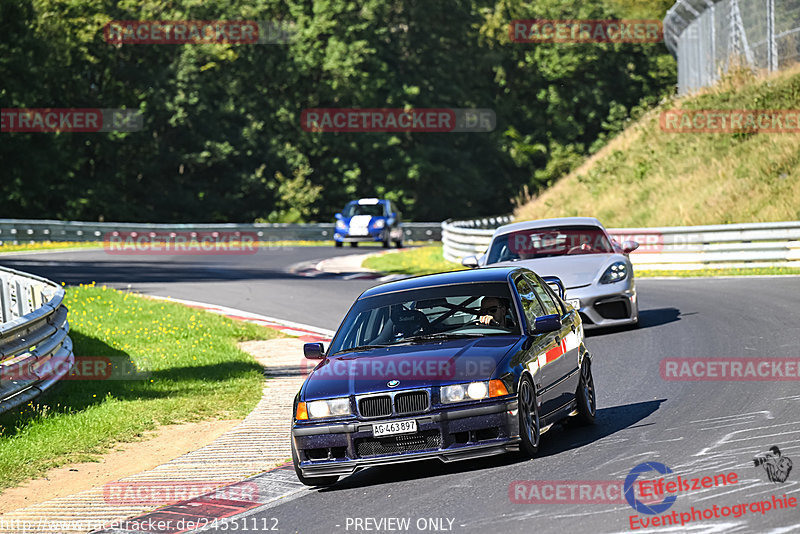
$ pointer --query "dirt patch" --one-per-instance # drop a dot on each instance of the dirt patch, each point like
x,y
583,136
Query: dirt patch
x,y
162,445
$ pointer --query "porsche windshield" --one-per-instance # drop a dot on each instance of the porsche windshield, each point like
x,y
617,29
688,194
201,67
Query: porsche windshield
x,y
547,242
374,210
462,310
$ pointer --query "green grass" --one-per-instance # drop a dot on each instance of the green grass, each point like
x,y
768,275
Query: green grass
x,y
196,372
648,177
429,260
756,271
47,245
422,260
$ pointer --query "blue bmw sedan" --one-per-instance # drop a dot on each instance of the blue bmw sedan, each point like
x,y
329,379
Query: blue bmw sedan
x,y
451,366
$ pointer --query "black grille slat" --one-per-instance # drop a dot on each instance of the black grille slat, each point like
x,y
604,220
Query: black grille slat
x,y
415,401
429,439
375,406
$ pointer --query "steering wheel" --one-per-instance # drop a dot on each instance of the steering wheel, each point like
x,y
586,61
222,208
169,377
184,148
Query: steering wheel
x,y
584,247
477,322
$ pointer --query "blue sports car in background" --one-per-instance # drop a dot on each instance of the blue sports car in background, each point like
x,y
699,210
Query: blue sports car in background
x,y
368,219
451,366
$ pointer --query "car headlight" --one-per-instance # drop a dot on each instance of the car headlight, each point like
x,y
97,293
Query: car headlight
x,y
616,271
329,408
472,391
341,225
379,223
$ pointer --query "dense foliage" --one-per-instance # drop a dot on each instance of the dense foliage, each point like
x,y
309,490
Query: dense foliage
x,y
222,139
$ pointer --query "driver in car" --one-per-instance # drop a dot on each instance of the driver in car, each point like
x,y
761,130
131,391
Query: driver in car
x,y
493,311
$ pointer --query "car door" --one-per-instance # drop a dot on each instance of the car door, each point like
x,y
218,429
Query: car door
x,y
562,356
536,360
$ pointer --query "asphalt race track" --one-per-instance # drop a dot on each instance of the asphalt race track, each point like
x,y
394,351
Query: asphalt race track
x,y
697,428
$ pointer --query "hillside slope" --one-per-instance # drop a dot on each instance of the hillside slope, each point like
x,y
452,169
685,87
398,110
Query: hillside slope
x,y
648,177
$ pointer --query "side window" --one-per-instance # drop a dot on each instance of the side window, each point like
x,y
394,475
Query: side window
x,y
530,304
550,306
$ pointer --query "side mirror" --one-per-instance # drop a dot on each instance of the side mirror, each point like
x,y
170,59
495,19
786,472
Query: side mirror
x,y
546,323
313,351
556,285
629,246
469,261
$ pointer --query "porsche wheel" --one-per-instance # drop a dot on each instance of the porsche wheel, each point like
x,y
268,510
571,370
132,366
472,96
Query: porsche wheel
x,y
310,481
586,395
529,424
337,244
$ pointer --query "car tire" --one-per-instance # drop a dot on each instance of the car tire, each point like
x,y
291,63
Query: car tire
x,y
310,481
399,244
586,395
354,244
386,244
529,421
337,244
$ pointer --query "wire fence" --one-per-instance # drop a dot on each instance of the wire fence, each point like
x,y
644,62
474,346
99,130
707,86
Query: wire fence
x,y
708,37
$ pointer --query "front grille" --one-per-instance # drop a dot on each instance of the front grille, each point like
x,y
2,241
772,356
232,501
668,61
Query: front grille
x,y
429,439
414,401
612,310
375,406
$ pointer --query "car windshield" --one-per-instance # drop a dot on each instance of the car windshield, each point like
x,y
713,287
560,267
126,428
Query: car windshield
x,y
547,242
420,315
374,210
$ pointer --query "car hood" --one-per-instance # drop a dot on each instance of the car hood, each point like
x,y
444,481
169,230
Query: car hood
x,y
575,271
414,366
362,220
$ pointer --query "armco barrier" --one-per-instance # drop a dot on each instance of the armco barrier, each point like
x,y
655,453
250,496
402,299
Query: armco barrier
x,y
671,248
32,230
35,350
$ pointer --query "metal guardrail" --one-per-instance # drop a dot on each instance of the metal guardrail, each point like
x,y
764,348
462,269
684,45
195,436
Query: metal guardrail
x,y
709,36
34,230
35,350
672,248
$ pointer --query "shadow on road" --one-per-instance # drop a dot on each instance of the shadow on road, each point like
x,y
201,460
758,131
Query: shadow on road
x,y
561,438
647,319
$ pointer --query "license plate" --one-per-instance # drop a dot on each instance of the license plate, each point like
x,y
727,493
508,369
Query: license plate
x,y
359,231
575,303
397,427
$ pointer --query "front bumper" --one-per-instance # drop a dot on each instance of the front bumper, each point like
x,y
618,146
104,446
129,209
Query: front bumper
x,y
343,237
449,435
607,305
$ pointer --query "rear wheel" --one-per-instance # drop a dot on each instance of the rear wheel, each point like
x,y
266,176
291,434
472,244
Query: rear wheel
x,y
399,244
586,395
529,424
310,481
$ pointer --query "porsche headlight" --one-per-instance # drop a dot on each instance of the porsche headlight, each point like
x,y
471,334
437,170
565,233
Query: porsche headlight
x,y
329,408
616,271
379,223
341,225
